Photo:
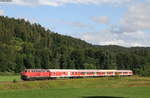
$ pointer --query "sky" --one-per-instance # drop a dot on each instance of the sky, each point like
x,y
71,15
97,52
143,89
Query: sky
x,y
99,22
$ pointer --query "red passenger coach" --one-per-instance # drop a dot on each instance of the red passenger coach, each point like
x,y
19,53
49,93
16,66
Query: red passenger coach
x,y
33,74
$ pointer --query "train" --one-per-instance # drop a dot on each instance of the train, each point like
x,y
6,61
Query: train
x,y
43,74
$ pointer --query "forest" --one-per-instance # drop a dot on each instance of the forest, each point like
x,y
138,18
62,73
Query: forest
x,y
29,45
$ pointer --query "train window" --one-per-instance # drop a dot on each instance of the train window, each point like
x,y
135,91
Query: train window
x,y
38,70
118,72
82,72
43,70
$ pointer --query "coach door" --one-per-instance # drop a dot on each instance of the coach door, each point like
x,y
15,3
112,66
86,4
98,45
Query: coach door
x,y
68,73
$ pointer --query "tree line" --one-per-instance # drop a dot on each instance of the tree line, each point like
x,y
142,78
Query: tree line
x,y
26,45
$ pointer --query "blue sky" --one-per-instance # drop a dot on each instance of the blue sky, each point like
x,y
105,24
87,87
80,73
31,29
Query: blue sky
x,y
102,22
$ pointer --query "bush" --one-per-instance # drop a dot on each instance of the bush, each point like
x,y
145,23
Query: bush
x,y
14,80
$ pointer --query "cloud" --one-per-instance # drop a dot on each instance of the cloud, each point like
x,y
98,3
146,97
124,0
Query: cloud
x,y
2,12
106,37
101,19
35,2
129,31
76,24
136,18
64,2
79,24
132,29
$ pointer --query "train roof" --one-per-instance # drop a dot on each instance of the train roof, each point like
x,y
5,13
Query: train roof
x,y
78,70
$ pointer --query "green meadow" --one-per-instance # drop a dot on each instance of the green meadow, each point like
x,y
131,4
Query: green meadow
x,y
9,78
103,87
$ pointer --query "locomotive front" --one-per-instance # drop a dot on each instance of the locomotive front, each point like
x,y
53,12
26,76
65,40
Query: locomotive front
x,y
24,74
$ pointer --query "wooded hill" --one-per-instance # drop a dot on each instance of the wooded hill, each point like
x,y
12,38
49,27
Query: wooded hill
x,y
25,45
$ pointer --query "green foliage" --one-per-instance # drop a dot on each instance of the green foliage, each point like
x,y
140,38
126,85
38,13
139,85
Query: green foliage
x,y
14,80
25,45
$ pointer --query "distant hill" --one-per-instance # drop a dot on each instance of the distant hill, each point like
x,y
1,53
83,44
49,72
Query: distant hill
x,y
25,45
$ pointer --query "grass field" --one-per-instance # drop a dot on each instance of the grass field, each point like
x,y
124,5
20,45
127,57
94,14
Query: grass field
x,y
10,78
105,87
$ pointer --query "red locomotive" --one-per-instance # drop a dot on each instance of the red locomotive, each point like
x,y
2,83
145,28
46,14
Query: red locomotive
x,y
37,74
